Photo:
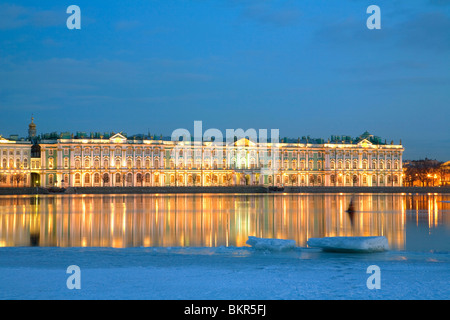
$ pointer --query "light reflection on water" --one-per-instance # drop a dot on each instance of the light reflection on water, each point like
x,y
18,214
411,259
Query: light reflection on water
x,y
410,222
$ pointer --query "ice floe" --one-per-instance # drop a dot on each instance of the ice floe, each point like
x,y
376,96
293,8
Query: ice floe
x,y
271,244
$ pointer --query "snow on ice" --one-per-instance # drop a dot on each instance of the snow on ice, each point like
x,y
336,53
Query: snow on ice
x,y
270,244
350,244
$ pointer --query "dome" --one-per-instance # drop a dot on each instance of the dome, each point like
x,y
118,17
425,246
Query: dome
x,y
32,124
32,129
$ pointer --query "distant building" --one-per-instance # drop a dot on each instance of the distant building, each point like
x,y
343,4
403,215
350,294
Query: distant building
x,y
117,160
444,170
426,172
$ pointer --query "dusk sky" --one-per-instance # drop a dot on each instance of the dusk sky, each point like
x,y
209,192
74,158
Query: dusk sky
x,y
309,67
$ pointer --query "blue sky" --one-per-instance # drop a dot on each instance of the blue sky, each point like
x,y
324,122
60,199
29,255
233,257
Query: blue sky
x,y
308,67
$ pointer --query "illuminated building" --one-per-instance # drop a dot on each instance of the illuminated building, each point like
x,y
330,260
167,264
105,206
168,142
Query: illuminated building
x,y
117,160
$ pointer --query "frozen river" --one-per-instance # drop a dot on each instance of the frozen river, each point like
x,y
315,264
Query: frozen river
x,y
194,246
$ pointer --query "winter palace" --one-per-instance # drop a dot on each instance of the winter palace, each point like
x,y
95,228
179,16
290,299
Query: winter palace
x,y
113,159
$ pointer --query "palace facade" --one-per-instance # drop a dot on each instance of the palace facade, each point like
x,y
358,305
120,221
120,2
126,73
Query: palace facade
x,y
67,160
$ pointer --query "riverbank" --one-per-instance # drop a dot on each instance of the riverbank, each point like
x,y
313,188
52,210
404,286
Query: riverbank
x,y
218,189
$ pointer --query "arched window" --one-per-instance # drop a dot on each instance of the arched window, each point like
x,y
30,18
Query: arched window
x,y
105,178
96,178
87,178
147,178
118,178
77,178
347,179
139,178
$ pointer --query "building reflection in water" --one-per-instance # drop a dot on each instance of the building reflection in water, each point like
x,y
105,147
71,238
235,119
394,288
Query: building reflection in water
x,y
210,220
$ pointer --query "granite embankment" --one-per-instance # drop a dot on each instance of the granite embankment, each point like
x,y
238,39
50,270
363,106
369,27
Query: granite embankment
x,y
218,189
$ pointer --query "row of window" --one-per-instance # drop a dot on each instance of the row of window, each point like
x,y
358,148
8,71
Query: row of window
x,y
117,151
118,178
11,152
233,165
17,164
375,164
347,179
218,150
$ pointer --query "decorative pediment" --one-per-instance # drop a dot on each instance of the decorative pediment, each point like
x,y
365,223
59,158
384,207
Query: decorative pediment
x,y
118,138
3,140
365,143
244,142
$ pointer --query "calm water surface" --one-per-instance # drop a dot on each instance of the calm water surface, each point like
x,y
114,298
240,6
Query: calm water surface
x,y
410,222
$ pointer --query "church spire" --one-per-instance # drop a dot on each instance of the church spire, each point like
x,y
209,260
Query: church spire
x,y
32,129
